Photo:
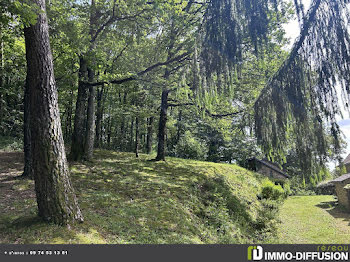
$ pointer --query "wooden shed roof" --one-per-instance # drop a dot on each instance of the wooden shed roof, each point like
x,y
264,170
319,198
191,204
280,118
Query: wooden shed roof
x,y
271,165
347,160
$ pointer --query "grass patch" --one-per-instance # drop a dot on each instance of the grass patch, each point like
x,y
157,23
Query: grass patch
x,y
136,201
10,144
314,220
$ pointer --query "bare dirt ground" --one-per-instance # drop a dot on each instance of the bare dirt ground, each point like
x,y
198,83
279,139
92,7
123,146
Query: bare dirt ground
x,y
11,167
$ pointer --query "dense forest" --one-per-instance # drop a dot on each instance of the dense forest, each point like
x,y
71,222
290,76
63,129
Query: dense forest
x,y
204,80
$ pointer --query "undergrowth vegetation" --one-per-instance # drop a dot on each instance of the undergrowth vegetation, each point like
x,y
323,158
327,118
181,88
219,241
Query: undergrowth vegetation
x,y
8,144
128,200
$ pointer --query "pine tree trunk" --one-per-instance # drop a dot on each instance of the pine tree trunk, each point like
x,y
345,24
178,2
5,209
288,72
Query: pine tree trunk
x,y
149,135
137,137
123,138
56,199
68,127
99,115
179,127
2,64
109,128
90,123
131,141
77,148
162,126
28,169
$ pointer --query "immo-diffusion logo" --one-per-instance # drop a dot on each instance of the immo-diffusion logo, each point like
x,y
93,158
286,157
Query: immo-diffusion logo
x,y
256,253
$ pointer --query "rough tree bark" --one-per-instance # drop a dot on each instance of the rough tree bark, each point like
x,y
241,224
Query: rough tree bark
x,y
56,199
179,127
149,135
99,116
162,126
84,124
163,118
28,169
90,123
2,65
137,137
68,127
123,138
131,136
77,148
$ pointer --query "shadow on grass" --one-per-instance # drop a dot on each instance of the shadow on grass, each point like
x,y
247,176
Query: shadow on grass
x,y
25,222
129,200
157,202
335,210
327,205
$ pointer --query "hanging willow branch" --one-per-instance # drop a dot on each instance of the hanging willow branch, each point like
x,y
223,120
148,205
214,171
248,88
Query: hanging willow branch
x,y
301,101
227,24
230,28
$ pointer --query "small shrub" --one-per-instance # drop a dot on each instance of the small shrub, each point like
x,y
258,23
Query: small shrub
x,y
271,191
268,216
287,190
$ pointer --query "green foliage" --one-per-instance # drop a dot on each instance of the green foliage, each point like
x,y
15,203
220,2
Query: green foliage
x,y
322,175
190,147
300,188
177,201
271,191
300,101
14,11
268,219
339,171
287,189
9,144
13,79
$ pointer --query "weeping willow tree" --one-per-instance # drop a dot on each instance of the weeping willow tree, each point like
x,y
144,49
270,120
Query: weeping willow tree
x,y
231,29
298,107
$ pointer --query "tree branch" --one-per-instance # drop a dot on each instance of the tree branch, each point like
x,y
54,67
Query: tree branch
x,y
141,73
223,115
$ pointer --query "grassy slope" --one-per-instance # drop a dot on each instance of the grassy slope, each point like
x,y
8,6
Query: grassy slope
x,y
313,220
128,200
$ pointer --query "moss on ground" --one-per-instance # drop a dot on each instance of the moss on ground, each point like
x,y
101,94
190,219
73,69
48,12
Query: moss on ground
x,y
135,201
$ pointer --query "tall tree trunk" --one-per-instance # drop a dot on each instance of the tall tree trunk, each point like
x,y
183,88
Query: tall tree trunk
x,y
163,118
131,141
28,169
137,137
90,123
54,192
149,135
99,114
68,127
179,127
109,127
123,138
2,65
77,148
162,126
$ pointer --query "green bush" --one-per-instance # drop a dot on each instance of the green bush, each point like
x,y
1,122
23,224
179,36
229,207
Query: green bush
x,y
189,147
271,191
287,190
267,220
299,188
